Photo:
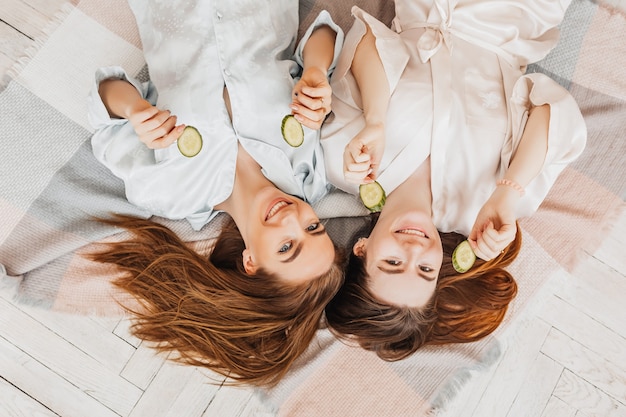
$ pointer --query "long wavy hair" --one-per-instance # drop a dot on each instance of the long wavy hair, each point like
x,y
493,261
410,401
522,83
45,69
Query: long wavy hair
x,y
209,312
464,307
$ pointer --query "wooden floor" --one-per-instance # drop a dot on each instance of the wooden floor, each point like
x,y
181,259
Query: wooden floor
x,y
567,360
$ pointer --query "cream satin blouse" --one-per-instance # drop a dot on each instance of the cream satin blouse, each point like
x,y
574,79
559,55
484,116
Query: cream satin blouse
x,y
460,96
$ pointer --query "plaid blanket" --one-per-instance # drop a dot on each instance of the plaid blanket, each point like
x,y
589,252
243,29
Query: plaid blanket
x,y
52,187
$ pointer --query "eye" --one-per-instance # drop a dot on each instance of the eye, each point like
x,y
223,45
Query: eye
x,y
426,269
286,247
313,226
393,262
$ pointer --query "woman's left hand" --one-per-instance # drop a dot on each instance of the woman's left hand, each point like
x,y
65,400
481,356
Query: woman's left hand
x,y
495,226
312,98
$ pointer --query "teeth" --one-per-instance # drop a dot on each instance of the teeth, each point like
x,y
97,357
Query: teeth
x,y
412,232
276,208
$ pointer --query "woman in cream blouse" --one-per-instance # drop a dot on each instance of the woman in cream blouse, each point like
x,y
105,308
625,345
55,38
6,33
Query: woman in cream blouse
x,y
438,110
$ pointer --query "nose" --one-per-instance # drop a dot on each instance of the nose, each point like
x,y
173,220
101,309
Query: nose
x,y
414,247
291,216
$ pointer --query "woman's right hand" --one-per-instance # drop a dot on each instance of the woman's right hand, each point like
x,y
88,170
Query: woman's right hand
x,y
156,128
362,155
495,226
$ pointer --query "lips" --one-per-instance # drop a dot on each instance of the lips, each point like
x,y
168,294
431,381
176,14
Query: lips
x,y
412,231
275,207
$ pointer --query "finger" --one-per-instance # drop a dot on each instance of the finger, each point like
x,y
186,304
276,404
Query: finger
x,y
307,116
489,237
482,250
157,120
311,102
359,167
143,115
355,177
374,168
358,152
480,254
318,91
324,95
153,139
508,232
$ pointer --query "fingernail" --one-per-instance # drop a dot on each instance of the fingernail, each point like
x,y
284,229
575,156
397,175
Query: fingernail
x,y
298,118
294,107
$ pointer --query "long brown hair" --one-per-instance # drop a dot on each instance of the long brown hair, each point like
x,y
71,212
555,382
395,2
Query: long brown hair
x,y
464,307
209,311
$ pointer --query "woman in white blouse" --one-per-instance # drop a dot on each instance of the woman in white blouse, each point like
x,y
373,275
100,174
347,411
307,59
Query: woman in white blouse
x,y
439,112
229,69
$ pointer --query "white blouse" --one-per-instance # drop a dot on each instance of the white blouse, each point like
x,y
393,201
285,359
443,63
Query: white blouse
x,y
193,49
459,94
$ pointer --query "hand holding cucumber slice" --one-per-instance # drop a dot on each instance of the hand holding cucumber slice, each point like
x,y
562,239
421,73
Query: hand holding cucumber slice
x,y
292,131
190,142
463,257
373,196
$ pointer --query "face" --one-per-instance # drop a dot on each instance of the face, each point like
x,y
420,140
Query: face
x,y
403,259
285,237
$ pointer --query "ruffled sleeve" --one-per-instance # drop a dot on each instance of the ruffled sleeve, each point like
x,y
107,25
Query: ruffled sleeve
x,y
567,133
390,47
323,18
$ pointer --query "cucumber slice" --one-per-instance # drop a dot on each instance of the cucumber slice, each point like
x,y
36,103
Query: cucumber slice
x,y
373,196
190,142
463,257
292,131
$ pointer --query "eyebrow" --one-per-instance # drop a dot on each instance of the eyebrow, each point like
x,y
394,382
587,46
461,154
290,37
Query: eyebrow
x,y
294,255
298,249
400,271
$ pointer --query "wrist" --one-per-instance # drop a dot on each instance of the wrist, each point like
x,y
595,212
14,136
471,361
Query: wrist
x,y
509,196
321,68
135,107
511,184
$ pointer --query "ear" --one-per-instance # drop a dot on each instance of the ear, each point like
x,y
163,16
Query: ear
x,y
248,262
359,247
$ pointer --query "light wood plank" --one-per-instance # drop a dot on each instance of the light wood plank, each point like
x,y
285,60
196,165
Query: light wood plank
x,y
48,7
579,326
107,323
587,398
598,291
536,391
63,358
255,408
229,401
167,392
122,330
558,408
523,348
47,386
607,376
194,398
106,348
12,42
24,18
143,366
17,404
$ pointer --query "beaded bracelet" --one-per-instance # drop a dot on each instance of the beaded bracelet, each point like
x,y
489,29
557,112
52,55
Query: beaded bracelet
x,y
511,183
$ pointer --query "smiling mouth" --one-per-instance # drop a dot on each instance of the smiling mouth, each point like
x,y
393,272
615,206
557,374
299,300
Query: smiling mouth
x,y
413,232
275,208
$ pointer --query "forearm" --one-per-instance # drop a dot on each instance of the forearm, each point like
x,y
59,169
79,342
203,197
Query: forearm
x,y
121,98
371,79
319,49
530,155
